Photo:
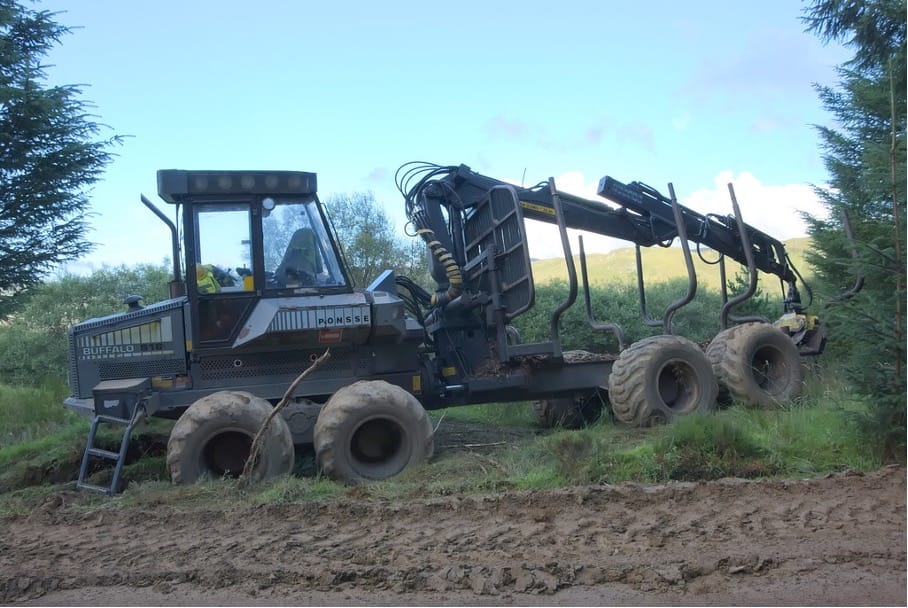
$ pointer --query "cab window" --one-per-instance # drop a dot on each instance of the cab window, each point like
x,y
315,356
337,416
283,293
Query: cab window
x,y
223,253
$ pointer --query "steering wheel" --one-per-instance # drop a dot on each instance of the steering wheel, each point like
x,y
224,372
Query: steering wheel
x,y
304,277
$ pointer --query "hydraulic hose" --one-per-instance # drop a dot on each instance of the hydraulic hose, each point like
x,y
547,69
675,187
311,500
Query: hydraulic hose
x,y
452,270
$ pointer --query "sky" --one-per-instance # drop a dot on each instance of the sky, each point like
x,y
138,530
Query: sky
x,y
698,93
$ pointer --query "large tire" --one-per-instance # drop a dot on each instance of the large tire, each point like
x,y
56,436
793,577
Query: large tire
x,y
371,430
213,437
756,364
575,412
660,378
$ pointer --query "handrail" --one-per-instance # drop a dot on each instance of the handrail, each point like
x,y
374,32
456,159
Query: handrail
x,y
177,285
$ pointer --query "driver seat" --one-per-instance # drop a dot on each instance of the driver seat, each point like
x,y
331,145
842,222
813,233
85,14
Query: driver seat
x,y
301,259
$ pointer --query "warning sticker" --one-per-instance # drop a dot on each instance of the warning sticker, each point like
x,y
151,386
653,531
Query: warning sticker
x,y
330,336
538,208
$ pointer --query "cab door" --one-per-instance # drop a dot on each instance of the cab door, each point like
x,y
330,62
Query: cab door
x,y
221,275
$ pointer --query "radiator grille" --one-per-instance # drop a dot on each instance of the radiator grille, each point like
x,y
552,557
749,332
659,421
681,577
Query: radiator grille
x,y
111,370
222,368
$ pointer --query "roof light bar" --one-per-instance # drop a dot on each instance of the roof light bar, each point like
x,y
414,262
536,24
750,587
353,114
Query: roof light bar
x,y
174,184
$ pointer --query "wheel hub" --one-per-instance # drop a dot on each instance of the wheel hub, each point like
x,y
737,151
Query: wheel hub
x,y
769,368
225,454
376,442
678,386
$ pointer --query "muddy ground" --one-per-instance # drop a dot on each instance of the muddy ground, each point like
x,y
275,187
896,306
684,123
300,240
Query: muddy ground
x,y
839,540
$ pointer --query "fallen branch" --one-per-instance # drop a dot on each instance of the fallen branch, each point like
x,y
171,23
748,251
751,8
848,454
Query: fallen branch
x,y
255,450
435,430
474,445
491,461
483,445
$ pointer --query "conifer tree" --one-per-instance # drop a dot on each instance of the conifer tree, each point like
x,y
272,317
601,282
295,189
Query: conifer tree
x,y
865,155
50,155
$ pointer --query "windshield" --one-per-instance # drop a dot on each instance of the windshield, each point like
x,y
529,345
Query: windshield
x,y
297,250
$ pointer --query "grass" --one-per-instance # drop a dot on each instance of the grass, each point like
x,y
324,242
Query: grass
x,y
810,438
296,489
517,414
29,412
49,459
739,442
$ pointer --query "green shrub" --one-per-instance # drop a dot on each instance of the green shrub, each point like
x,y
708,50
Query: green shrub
x,y
30,356
620,303
576,456
33,342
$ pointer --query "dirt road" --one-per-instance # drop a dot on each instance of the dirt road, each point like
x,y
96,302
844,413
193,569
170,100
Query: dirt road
x,y
839,540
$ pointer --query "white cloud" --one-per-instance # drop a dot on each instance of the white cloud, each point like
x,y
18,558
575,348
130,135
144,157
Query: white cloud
x,y
774,209
545,242
544,239
573,182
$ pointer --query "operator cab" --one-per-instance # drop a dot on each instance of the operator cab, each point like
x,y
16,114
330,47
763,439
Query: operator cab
x,y
249,235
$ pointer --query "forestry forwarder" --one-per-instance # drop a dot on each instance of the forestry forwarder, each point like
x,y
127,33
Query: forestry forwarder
x,y
267,291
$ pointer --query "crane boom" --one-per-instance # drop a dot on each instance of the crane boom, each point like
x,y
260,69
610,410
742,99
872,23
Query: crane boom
x,y
716,232
644,217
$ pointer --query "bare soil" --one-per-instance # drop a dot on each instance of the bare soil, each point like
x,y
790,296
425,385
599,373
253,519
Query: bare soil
x,y
839,540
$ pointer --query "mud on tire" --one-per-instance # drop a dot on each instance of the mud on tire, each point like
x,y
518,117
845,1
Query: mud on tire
x,y
371,430
213,437
659,378
756,364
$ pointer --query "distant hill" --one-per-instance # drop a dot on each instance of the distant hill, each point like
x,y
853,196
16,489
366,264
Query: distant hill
x,y
660,264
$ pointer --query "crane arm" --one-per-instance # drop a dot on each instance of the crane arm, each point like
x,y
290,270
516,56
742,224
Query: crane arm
x,y
716,232
644,217
579,213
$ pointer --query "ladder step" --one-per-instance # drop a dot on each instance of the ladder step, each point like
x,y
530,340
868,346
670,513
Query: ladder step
x,y
118,457
92,488
112,419
104,453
